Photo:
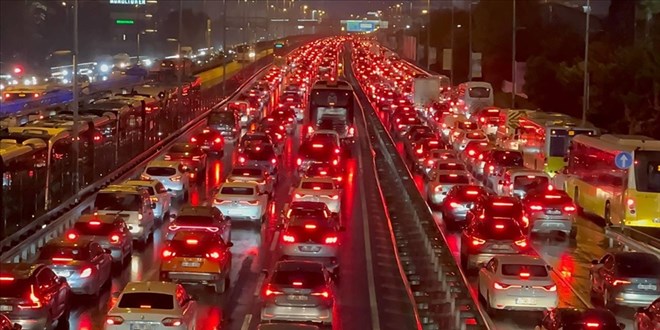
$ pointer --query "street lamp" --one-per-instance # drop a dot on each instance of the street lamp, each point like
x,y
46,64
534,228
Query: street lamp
x,y
585,87
424,11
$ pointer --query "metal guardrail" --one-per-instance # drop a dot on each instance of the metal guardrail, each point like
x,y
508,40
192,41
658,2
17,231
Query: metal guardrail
x,y
28,247
438,286
632,239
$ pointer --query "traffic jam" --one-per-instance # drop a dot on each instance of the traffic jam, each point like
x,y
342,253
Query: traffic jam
x,y
531,255
166,248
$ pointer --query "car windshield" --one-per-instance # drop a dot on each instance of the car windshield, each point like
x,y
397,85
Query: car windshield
x,y
517,269
507,158
94,228
317,185
64,252
237,191
479,92
309,279
161,171
638,265
117,201
501,229
14,287
260,154
647,171
146,300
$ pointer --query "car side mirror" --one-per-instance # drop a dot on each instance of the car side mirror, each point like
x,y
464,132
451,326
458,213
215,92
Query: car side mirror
x,y
116,294
594,262
230,244
107,251
265,272
549,268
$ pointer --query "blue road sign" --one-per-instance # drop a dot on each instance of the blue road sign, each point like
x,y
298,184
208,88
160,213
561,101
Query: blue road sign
x,y
623,160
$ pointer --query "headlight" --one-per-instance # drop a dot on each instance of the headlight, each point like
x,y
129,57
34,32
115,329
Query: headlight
x,y
104,68
147,62
252,54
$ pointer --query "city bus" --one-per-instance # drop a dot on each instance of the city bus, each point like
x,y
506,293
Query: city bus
x,y
544,137
332,106
245,53
626,197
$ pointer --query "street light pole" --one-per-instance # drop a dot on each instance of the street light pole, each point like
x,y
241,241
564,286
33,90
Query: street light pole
x,y
513,60
138,47
428,36
76,92
451,45
224,45
585,88
470,42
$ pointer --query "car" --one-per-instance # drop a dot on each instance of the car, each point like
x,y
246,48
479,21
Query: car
x,y
152,305
461,141
551,211
339,124
171,174
648,318
421,150
493,207
242,201
276,129
198,257
210,141
567,318
517,282
518,181
256,139
310,153
191,156
158,194
445,165
298,291
110,231
626,279
495,163
6,324
438,155
488,119
131,203
33,296
286,117
225,122
324,170
459,200
452,121
403,122
318,189
440,182
263,157
204,218
472,151
314,238
86,266
482,240
259,176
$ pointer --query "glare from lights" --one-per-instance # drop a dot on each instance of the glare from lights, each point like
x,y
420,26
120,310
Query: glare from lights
x,y
459,26
407,26
425,11
104,68
27,82
147,62
300,27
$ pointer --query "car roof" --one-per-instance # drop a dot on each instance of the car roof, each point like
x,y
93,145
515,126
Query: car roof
x,y
298,265
316,179
140,183
239,184
521,259
104,218
164,163
19,270
150,286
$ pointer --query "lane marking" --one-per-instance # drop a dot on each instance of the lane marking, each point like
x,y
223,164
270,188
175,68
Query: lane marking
x,y
273,244
246,322
375,322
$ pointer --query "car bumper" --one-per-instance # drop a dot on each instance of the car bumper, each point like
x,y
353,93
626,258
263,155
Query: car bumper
x,y
206,278
272,312
477,260
635,299
243,213
548,225
514,302
36,322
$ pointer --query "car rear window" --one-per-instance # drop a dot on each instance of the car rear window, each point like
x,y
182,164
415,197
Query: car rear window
x,y
196,220
466,125
260,155
470,192
67,252
517,269
527,182
638,265
161,171
146,300
246,172
453,178
149,189
499,229
94,228
507,158
181,148
504,209
117,201
237,191
11,287
317,185
309,279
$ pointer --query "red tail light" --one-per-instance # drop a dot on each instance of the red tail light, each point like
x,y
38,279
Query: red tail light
x,y
62,260
471,152
524,275
193,139
351,131
214,255
476,241
241,159
299,161
551,288
171,322
454,204
332,239
217,140
620,282
324,294
501,286
167,253
592,325
167,157
482,119
420,151
192,241
114,320
72,236
569,208
270,292
33,301
335,161
87,272
521,243
288,238
536,207
114,238
273,161
310,226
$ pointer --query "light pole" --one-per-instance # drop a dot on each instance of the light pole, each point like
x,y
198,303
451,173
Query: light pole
x,y
428,36
513,59
451,45
585,88
470,42
224,45
76,91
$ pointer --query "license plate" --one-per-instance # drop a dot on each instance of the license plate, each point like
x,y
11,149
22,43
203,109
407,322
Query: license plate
x,y
21,95
552,212
499,247
309,248
6,308
62,273
141,327
190,264
526,301
297,297
647,287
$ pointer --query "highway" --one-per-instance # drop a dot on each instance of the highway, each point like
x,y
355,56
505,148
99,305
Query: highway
x,y
369,291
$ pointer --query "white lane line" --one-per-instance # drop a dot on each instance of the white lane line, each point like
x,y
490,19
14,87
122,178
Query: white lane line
x,y
375,322
273,244
260,283
246,322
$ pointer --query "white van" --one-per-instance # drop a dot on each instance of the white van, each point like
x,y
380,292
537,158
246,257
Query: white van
x,y
476,95
133,204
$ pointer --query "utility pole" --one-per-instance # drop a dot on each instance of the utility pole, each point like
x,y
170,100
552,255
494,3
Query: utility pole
x,y
208,29
76,92
470,42
585,89
224,45
138,47
453,25
513,60
428,36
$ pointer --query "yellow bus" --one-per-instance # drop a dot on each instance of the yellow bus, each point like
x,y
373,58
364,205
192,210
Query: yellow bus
x,y
544,137
627,197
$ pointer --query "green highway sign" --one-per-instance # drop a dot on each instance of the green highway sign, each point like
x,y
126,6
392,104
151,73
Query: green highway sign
x,y
124,22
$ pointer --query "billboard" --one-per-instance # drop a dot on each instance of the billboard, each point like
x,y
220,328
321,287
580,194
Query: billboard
x,y
128,2
360,26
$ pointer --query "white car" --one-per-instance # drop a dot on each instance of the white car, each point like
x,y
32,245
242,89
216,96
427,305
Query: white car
x,y
171,174
465,137
318,189
441,182
131,203
257,175
159,196
153,305
518,181
517,282
242,201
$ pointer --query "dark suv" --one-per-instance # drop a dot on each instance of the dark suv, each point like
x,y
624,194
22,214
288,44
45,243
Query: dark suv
x,y
200,218
33,296
225,122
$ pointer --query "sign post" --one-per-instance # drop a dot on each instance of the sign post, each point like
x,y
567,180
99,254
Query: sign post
x,y
623,160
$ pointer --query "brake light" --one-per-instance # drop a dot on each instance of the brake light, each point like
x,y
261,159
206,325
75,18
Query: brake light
x,y
324,294
476,241
631,203
551,288
334,196
72,236
482,119
217,140
270,292
310,226
171,322
501,286
167,157
299,161
592,324
167,253
193,139
6,278
472,192
521,243
420,151
218,201
454,204
288,238
33,301
502,204
471,152
335,161
536,207
114,320
317,146
62,259
273,161
620,282
192,241
524,275
525,220
241,159
351,131
176,178
114,239
215,255
332,239
499,226
569,208
85,273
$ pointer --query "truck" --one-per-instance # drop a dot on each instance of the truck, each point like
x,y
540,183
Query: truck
x,y
427,89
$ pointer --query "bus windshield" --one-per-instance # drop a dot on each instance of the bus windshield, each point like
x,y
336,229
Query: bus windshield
x,y
647,171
